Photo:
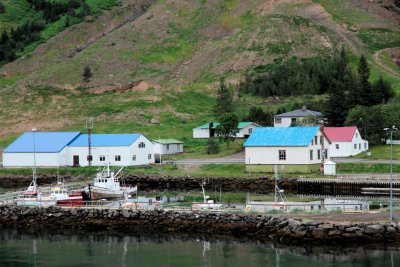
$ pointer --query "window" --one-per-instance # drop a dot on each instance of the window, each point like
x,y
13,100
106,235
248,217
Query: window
x,y
282,154
142,145
321,140
134,158
278,120
250,130
316,140
312,141
326,153
319,153
359,146
365,145
294,121
149,156
167,146
102,158
355,146
117,158
356,135
337,146
311,154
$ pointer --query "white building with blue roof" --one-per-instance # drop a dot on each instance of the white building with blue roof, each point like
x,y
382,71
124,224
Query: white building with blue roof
x,y
52,149
41,149
292,149
116,149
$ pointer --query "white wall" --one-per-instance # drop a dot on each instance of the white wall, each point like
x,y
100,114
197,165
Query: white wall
x,y
285,122
42,159
201,133
346,149
246,131
164,149
126,154
294,155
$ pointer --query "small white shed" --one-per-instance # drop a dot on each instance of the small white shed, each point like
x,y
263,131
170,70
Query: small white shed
x,y
329,168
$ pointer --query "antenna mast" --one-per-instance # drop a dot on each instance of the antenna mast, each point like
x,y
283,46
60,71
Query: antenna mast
x,y
89,127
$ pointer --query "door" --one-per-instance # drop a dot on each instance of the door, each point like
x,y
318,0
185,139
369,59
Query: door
x,y
76,160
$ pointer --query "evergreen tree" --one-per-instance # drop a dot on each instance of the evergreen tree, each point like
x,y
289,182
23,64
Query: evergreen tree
x,y
336,108
381,91
259,116
224,100
228,127
87,74
364,87
2,8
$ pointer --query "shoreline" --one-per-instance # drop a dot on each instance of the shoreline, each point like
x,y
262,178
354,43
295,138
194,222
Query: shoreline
x,y
284,230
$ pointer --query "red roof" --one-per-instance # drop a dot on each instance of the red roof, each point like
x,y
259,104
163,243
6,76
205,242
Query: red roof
x,y
340,134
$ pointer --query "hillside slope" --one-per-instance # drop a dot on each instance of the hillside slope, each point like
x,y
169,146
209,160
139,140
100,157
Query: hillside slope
x,y
163,58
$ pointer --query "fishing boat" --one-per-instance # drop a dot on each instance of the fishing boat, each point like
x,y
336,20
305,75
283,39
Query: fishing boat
x,y
33,197
107,186
64,196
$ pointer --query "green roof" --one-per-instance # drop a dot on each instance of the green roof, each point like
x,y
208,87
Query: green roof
x,y
168,141
216,124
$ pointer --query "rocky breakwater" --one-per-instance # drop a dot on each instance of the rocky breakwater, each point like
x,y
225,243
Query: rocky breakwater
x,y
260,227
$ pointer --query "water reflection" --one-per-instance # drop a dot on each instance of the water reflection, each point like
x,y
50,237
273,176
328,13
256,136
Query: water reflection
x,y
30,248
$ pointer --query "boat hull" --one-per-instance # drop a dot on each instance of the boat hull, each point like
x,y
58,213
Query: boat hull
x,y
35,202
97,193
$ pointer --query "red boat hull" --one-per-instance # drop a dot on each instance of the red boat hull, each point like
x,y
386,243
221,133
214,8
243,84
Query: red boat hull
x,y
74,199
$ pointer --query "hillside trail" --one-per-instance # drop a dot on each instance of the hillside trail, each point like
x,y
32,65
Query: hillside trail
x,y
139,9
378,60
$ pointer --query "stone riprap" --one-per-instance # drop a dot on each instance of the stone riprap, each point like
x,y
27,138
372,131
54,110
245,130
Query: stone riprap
x,y
260,227
160,183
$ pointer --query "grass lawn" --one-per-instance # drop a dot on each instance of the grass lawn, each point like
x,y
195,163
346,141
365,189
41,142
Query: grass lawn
x,y
381,152
348,168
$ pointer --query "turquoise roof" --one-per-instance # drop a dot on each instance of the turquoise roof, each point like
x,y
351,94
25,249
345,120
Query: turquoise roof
x,y
281,136
41,142
101,140
216,124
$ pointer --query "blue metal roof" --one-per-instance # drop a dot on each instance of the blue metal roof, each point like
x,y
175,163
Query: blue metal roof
x,y
41,142
105,140
281,136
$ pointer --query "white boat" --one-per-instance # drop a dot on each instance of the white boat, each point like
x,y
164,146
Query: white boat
x,y
107,186
64,196
207,204
32,197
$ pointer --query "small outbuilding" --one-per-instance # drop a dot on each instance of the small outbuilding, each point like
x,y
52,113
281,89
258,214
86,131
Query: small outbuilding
x,y
208,130
167,146
329,168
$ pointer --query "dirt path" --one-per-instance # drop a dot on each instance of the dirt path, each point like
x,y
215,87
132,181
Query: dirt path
x,y
377,57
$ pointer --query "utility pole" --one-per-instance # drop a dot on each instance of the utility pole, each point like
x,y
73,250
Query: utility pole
x,y
391,130
89,127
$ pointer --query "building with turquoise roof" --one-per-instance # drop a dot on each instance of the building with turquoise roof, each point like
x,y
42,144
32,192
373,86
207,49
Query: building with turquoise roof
x,y
286,149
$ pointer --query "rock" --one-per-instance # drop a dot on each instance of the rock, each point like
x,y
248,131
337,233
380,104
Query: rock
x,y
390,230
58,214
125,214
318,233
326,226
352,229
374,229
334,233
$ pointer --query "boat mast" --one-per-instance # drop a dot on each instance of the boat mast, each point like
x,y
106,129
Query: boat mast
x,y
34,161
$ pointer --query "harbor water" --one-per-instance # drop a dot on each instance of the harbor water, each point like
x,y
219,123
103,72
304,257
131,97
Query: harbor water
x,y
72,248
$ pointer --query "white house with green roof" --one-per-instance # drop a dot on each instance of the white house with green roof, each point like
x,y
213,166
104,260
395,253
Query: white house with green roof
x,y
209,130
167,146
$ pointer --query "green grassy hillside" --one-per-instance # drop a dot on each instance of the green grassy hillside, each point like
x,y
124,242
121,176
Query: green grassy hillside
x,y
178,50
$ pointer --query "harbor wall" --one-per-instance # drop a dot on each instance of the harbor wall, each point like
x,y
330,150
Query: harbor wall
x,y
259,227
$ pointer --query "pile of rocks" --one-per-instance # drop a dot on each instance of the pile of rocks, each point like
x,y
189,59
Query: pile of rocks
x,y
261,227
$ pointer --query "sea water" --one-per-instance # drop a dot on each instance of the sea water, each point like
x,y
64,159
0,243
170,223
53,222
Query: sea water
x,y
69,248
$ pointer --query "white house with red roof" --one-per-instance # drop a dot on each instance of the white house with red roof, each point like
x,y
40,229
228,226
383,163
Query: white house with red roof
x,y
345,141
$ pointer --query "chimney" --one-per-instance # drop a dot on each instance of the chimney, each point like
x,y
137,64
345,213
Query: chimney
x,y
304,108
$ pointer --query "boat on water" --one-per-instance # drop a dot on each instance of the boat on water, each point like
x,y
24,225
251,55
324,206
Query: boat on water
x,y
64,196
208,204
107,185
33,197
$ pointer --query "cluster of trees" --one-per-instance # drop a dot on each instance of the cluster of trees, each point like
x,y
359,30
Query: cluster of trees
x,y
350,89
309,77
397,3
15,40
52,10
259,116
